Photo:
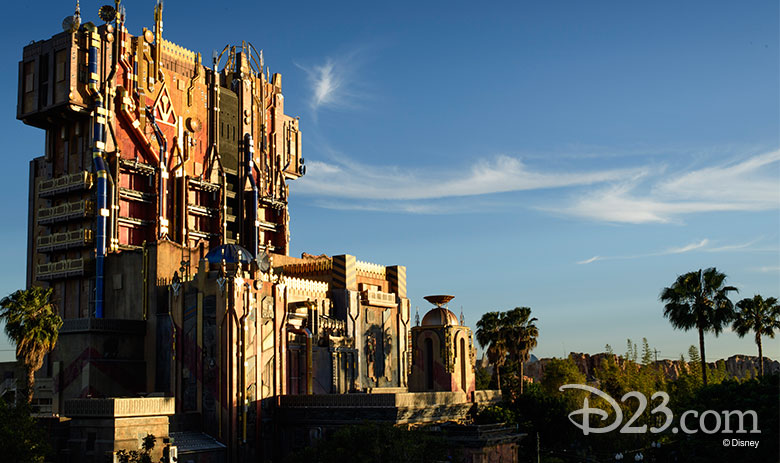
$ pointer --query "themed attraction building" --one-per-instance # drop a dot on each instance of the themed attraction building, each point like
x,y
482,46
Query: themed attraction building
x,y
158,213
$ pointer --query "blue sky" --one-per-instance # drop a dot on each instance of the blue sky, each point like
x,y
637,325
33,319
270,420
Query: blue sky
x,y
573,157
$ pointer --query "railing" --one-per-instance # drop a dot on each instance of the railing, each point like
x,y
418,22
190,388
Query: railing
x,y
199,234
137,167
378,298
67,211
373,270
203,185
328,323
135,195
147,406
314,266
306,286
61,269
78,181
268,226
134,222
202,211
65,240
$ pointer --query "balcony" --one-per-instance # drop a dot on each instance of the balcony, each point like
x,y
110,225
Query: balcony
x,y
136,167
135,195
67,240
61,269
65,212
73,182
202,185
202,211
378,298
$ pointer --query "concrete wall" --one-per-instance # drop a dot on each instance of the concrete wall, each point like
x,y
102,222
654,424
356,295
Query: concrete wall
x,y
99,358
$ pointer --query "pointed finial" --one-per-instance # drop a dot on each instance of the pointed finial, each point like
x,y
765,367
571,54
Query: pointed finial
x,y
78,9
462,318
416,316
158,22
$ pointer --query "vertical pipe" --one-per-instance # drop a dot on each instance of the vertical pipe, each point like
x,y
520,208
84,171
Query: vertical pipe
x,y
98,143
249,148
162,180
309,354
242,368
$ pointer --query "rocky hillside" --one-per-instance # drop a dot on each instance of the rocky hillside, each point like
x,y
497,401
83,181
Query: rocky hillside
x,y
738,366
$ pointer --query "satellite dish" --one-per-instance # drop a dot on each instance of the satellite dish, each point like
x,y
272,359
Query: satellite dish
x,y
263,262
71,23
107,13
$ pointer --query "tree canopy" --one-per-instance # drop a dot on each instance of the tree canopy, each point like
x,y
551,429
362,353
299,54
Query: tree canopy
x,y
759,315
699,300
32,323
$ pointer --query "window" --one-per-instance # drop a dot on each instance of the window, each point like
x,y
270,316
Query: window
x,y
429,364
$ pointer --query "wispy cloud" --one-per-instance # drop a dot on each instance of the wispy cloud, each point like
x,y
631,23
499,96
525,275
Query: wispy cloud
x,y
333,83
325,84
636,195
750,184
347,179
405,207
734,247
687,248
768,269
701,245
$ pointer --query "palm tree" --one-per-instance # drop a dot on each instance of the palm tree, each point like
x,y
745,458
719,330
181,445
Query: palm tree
x,y
489,335
759,315
699,300
520,333
33,324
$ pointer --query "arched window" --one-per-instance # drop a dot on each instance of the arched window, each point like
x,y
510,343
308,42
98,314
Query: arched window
x,y
429,364
463,384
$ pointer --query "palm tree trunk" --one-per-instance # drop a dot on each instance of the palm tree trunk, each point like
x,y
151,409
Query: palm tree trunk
x,y
29,384
760,355
703,358
521,377
498,376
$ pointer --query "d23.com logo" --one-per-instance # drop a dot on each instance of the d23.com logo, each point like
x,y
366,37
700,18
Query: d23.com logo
x,y
721,425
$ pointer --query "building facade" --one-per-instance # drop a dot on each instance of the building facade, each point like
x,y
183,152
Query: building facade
x,y
158,214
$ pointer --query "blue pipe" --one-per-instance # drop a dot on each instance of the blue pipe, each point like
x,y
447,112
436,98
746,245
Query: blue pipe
x,y
100,168
250,155
98,140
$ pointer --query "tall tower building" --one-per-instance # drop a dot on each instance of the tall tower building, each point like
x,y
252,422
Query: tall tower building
x,y
158,213
145,144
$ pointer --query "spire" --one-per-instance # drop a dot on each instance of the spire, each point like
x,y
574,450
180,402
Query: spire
x,y
462,318
158,28
416,316
78,10
158,24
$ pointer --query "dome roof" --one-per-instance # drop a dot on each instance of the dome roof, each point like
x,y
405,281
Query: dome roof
x,y
231,253
439,316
